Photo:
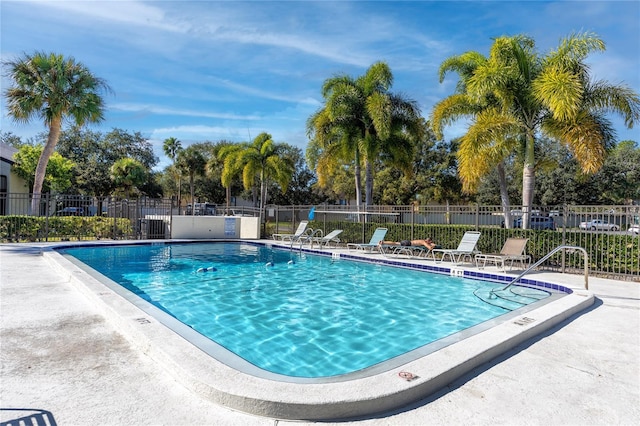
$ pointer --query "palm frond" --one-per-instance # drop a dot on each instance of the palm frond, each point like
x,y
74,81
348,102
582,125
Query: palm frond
x,y
618,99
560,91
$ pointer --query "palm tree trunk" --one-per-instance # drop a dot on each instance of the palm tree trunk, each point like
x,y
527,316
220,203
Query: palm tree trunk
x,y
262,191
504,195
528,181
368,181
179,192
193,204
41,168
357,172
263,195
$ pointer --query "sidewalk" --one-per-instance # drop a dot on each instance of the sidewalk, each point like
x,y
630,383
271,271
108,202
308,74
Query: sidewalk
x,y
58,354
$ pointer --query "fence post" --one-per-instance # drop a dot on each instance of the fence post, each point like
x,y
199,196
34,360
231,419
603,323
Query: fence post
x,y
564,236
115,221
413,219
47,207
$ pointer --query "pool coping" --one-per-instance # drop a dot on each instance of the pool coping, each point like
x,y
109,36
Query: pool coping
x,y
312,401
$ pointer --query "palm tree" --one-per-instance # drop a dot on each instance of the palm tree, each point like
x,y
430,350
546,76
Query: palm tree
x,y
192,162
478,162
53,88
231,166
128,173
360,117
533,95
262,159
171,148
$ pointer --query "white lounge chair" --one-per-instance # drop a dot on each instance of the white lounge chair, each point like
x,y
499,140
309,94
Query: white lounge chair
x,y
302,229
466,248
374,242
512,250
331,237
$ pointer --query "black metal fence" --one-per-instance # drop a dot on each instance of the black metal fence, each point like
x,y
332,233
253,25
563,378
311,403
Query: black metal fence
x,y
608,233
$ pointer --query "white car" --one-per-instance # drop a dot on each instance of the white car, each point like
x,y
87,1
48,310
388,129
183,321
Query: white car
x,y
599,225
634,229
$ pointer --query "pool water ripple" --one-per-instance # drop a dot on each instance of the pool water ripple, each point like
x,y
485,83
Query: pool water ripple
x,y
302,316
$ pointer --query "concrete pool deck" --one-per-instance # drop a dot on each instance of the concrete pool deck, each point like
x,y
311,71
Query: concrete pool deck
x,y
60,354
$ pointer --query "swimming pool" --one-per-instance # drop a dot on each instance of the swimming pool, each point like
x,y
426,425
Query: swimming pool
x,y
220,376
296,314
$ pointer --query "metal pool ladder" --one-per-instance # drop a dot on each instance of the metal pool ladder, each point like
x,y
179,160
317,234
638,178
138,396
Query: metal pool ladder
x,y
551,253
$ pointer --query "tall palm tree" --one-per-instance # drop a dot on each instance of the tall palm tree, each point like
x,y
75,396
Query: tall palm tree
x,y
262,159
191,161
364,119
171,148
53,88
550,95
462,104
231,166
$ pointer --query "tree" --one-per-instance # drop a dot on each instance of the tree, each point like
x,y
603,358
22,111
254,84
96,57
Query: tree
x,y
94,153
620,174
191,161
10,139
171,148
464,104
433,178
128,174
53,88
59,169
362,119
262,159
550,95
301,187
228,155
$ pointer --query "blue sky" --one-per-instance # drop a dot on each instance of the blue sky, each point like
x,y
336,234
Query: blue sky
x,y
214,70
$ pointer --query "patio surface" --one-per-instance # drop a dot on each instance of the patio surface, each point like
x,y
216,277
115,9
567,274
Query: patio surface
x,y
59,354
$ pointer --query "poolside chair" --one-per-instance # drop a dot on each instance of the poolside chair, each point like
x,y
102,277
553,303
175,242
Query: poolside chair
x,y
373,244
466,248
331,237
512,250
302,229
408,250
414,251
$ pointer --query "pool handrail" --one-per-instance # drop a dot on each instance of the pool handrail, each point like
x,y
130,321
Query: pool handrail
x,y
547,256
307,236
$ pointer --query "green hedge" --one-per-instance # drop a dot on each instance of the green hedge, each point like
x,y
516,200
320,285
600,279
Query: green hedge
x,y
38,228
609,253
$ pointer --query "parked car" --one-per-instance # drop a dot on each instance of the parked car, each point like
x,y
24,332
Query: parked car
x,y
634,229
537,222
599,225
71,211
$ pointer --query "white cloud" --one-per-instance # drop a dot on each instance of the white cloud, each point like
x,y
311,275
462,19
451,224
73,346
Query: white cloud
x,y
124,12
160,110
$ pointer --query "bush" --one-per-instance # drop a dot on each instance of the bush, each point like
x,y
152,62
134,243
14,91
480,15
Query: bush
x,y
59,228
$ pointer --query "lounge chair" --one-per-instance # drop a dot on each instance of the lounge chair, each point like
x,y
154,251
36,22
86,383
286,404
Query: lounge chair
x,y
512,250
331,237
466,248
302,230
373,244
414,251
415,248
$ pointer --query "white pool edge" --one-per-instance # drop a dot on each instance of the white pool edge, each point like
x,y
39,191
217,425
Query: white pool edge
x,y
359,397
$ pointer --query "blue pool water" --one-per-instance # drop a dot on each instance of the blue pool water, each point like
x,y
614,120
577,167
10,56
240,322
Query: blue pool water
x,y
294,314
